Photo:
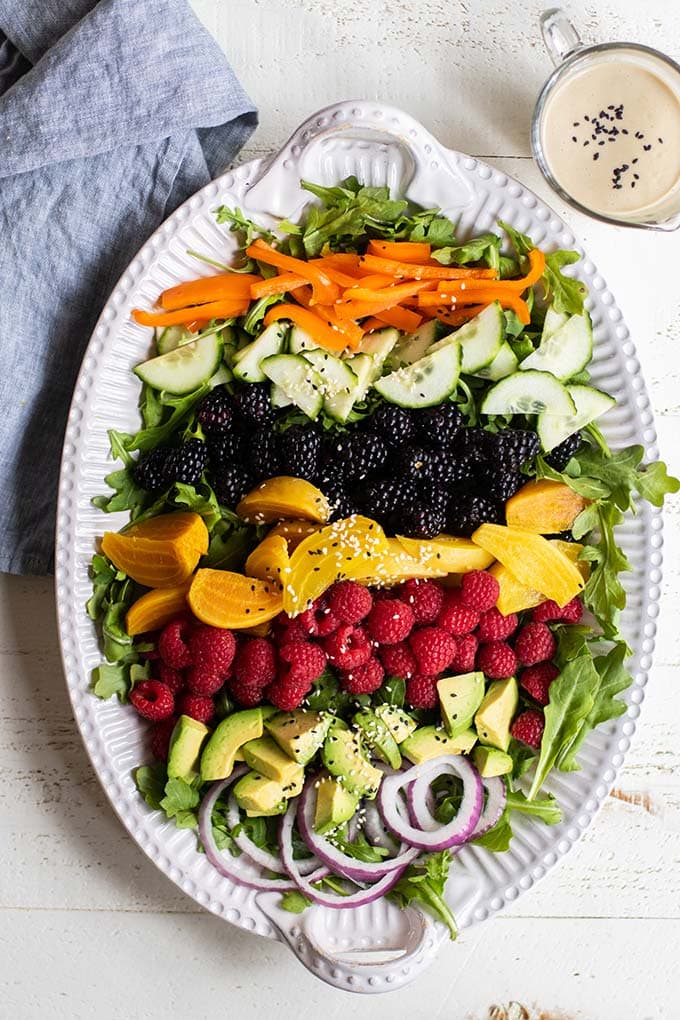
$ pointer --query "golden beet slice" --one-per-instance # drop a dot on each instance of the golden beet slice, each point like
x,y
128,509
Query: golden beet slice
x,y
161,552
572,550
544,507
534,561
156,608
514,596
396,565
269,560
222,598
282,497
447,553
294,532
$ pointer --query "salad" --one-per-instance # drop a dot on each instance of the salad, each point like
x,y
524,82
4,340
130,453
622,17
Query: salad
x,y
368,595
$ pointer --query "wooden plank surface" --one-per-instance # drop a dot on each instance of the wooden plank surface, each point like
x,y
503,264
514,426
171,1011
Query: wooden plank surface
x,y
88,927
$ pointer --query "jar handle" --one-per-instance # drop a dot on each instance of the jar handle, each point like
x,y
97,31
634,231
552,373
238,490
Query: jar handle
x,y
559,35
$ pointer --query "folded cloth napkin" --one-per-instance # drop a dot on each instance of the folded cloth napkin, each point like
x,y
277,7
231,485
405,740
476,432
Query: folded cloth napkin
x,y
111,114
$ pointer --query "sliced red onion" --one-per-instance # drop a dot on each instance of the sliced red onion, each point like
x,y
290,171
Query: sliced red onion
x,y
422,805
327,899
266,860
225,864
444,836
375,830
339,862
496,797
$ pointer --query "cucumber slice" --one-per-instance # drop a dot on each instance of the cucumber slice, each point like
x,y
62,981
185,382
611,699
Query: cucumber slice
x,y
504,364
247,362
413,346
552,322
363,368
299,341
529,393
338,379
298,380
279,398
184,369
379,345
426,382
590,403
221,376
566,352
480,339
172,337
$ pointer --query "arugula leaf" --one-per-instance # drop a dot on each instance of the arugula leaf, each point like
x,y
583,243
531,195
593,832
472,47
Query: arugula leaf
x,y
498,838
522,243
614,678
240,224
179,801
350,212
109,679
565,293
392,692
604,593
360,849
150,780
295,902
424,882
545,808
431,227
254,319
572,696
484,248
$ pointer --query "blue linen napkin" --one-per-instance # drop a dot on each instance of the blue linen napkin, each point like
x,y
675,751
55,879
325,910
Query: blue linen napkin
x,y
111,114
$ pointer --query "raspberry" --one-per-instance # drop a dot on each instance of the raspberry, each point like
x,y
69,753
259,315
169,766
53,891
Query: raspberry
x,y
496,660
301,664
212,650
287,629
466,651
390,621
172,678
255,664
455,617
479,590
318,621
153,700
348,647
493,626
424,597
196,706
247,697
536,681
535,643
399,660
160,738
528,727
363,679
421,691
350,601
173,643
549,611
203,681
286,696
433,648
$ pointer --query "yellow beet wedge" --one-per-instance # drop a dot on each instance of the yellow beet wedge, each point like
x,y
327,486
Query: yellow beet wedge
x,y
225,599
294,532
395,566
161,552
572,550
158,607
347,548
533,560
544,506
282,497
447,553
269,560
514,596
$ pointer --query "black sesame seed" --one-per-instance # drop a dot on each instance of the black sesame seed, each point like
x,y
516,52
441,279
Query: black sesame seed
x,y
646,147
660,141
635,160
574,138
596,155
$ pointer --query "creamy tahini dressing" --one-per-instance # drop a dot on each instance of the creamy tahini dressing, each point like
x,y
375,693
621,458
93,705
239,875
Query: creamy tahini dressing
x,y
610,134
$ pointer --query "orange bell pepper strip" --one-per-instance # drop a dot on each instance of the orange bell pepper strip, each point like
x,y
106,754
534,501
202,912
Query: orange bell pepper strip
x,y
404,270
353,332
335,274
360,302
196,324
401,318
345,260
322,332
401,251
222,287
536,270
376,281
507,299
537,264
325,292
281,284
183,316
459,316
371,324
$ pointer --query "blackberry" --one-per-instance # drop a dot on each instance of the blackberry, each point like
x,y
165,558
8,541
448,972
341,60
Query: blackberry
x,y
188,462
264,453
438,425
254,403
414,462
231,484
447,468
477,443
396,425
499,484
383,497
514,447
152,471
419,521
226,450
559,457
467,512
434,495
341,501
216,413
301,452
360,456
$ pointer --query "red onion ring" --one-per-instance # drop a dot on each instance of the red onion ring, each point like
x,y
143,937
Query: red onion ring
x,y
421,807
266,860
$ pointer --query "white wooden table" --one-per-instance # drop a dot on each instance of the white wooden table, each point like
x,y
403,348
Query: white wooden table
x,y
88,927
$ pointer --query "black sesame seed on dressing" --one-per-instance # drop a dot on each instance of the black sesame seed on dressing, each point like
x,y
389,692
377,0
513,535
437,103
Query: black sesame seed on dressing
x,y
602,129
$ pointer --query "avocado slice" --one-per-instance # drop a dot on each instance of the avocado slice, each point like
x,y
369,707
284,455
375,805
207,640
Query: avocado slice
x,y
334,805
431,742
300,733
495,713
217,760
399,723
343,757
459,698
489,761
265,756
259,796
377,735
185,748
